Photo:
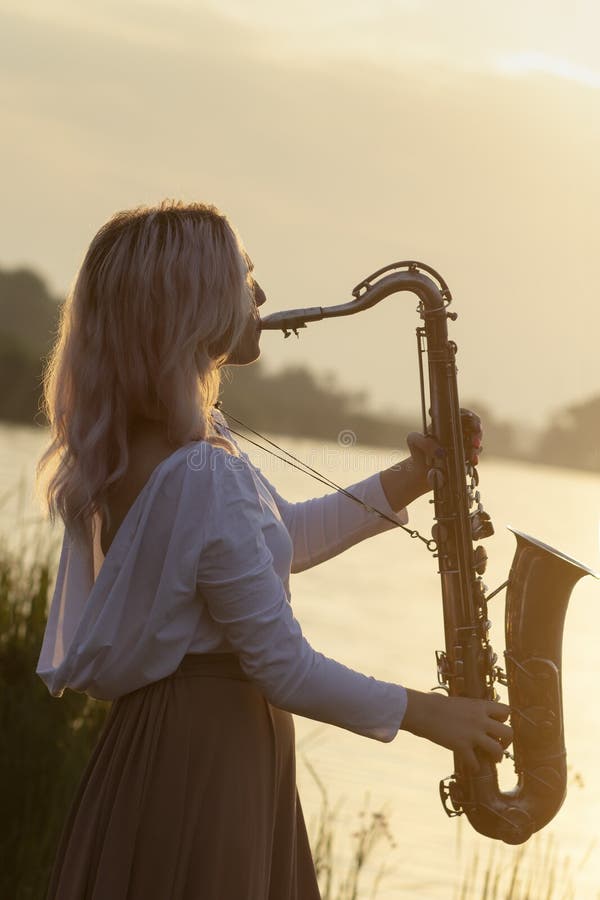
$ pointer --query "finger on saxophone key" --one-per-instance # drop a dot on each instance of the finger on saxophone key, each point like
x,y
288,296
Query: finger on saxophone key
x,y
461,724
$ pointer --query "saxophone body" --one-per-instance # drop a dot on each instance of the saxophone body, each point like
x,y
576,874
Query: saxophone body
x,y
539,586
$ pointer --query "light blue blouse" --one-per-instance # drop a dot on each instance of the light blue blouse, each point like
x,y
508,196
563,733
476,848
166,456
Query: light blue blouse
x,y
201,563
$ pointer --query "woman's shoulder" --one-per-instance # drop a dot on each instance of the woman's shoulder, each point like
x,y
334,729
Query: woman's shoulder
x,y
212,492
203,456
214,463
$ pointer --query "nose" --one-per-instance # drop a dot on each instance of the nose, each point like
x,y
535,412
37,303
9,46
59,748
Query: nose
x,y
259,295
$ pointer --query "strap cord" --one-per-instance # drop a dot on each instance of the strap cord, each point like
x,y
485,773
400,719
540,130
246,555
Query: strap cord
x,y
318,476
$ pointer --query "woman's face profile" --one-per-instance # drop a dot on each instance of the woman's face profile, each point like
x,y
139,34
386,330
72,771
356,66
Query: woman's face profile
x,y
248,349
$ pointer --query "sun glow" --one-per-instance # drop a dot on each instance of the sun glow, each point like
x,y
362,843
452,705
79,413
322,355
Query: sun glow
x,y
533,62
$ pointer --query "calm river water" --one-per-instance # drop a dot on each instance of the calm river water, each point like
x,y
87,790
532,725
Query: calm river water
x,y
377,608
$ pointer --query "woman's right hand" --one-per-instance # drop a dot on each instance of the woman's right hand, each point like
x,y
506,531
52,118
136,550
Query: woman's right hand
x,y
460,724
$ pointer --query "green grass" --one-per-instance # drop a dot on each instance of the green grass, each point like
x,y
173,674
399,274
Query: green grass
x,y
44,742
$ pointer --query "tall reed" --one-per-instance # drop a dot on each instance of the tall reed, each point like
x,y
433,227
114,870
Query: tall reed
x,y
45,742
536,870
346,882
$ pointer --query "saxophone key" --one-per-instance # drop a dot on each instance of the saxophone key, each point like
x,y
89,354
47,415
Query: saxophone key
x,y
439,533
441,661
436,479
474,476
480,556
451,796
500,676
481,525
490,658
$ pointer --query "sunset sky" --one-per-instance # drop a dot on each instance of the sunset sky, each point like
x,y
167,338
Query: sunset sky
x,y
339,137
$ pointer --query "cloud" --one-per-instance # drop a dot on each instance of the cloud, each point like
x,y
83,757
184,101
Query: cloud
x,y
532,62
466,34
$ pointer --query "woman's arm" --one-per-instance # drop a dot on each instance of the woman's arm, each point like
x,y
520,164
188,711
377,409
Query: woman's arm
x,y
246,597
323,527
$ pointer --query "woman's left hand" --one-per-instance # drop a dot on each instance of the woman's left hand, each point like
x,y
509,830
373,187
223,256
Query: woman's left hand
x,y
410,478
424,450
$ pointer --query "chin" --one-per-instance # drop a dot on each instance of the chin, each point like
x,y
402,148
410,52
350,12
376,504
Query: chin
x,y
243,356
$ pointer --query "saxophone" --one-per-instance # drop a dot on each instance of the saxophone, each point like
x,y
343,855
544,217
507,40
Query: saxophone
x,y
539,586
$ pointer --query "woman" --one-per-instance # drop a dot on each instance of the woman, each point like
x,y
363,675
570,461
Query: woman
x,y
172,594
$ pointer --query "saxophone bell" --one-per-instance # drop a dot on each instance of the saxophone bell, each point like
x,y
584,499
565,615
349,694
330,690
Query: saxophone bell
x,y
539,587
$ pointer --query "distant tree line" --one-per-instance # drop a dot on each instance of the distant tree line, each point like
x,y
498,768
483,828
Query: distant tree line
x,y
572,437
28,322
293,401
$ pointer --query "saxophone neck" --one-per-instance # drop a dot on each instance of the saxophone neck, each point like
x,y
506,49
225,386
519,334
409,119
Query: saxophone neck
x,y
415,277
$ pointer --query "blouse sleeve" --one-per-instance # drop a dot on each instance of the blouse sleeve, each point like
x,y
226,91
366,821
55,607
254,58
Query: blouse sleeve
x,y
325,526
246,597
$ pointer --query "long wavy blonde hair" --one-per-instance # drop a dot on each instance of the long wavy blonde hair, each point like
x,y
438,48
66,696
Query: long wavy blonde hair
x,y
160,300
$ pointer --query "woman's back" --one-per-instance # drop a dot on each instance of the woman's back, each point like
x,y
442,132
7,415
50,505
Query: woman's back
x,y
148,447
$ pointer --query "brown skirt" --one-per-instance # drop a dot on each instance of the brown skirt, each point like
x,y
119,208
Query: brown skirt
x,y
190,794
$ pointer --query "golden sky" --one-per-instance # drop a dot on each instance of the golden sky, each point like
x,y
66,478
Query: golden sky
x,y
339,137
